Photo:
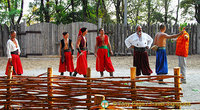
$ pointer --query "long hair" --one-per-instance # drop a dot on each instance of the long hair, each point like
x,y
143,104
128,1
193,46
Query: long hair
x,y
82,30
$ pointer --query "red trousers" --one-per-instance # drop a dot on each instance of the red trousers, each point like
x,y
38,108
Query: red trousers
x,y
103,62
16,64
68,65
81,66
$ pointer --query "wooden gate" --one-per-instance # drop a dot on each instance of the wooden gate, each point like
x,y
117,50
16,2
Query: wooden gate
x,y
44,38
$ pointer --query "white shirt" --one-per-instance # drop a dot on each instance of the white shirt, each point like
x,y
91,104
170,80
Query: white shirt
x,y
12,47
143,41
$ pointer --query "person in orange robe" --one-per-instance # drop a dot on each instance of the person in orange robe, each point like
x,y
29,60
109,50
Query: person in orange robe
x,y
13,53
66,55
81,46
182,48
102,53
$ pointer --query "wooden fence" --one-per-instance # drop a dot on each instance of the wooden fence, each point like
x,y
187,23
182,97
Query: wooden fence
x,y
4,36
118,33
43,38
48,91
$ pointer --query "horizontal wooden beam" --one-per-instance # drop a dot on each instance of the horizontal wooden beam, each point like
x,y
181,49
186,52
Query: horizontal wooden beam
x,y
26,32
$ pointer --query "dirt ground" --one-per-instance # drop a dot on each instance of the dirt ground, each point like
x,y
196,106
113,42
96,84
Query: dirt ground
x,y
37,65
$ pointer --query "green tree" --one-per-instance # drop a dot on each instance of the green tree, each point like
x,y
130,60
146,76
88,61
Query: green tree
x,y
11,12
191,7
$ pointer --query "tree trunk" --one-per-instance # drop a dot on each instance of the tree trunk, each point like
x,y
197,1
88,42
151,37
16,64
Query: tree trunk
x,y
84,9
11,17
166,11
72,3
21,12
137,12
41,11
149,13
117,7
104,9
176,20
46,12
197,12
97,10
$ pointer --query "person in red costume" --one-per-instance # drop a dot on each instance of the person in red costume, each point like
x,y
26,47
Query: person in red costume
x,y
102,54
81,46
66,55
13,53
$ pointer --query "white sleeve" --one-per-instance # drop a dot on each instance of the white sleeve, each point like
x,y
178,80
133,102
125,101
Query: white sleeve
x,y
128,41
18,46
8,50
149,40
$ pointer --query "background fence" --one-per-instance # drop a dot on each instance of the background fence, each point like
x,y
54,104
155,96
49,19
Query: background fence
x,y
43,38
118,33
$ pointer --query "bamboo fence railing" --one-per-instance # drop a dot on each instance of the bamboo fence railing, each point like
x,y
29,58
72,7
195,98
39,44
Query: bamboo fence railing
x,y
48,91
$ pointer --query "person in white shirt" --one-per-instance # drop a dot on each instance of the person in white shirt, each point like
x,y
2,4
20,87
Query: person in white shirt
x,y
13,53
140,41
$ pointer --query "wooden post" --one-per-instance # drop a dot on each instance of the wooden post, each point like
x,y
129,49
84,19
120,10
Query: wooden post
x,y
98,99
177,84
49,79
88,87
133,84
9,77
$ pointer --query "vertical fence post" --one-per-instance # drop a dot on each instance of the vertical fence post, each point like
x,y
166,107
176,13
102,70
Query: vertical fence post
x,y
49,79
9,77
177,84
88,87
133,85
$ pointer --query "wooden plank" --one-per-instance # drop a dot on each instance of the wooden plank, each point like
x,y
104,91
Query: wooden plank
x,y
118,39
115,39
153,37
129,33
122,40
194,39
34,41
168,41
89,27
1,40
112,36
190,41
5,38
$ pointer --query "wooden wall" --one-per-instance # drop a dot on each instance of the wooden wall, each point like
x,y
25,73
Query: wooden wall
x,y
44,38
47,42
118,33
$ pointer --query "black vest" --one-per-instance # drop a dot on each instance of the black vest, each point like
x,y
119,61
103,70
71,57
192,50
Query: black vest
x,y
69,43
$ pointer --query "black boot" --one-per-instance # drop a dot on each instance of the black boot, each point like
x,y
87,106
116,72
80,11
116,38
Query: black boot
x,y
70,73
75,73
111,74
62,73
101,74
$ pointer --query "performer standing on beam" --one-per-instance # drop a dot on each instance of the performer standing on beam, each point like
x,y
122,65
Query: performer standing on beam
x,y
81,46
140,41
13,53
66,55
161,56
103,61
